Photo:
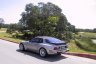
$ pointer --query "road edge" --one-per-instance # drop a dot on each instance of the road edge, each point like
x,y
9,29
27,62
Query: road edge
x,y
86,55
9,40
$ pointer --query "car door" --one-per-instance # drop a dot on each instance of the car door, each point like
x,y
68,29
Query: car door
x,y
34,44
37,44
31,43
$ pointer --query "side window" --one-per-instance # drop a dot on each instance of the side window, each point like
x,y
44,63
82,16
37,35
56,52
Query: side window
x,y
37,40
47,41
40,40
33,40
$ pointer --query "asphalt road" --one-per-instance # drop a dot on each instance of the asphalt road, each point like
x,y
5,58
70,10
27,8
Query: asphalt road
x,y
10,54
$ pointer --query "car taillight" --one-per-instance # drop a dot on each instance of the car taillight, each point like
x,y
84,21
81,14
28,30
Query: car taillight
x,y
55,48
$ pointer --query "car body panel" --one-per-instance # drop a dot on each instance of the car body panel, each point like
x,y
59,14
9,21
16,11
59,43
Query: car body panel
x,y
34,46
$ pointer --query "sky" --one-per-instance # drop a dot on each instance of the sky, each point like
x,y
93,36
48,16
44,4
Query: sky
x,y
81,13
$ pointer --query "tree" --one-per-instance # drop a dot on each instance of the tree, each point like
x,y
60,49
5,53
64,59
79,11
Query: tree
x,y
94,30
85,30
1,22
45,19
12,28
5,25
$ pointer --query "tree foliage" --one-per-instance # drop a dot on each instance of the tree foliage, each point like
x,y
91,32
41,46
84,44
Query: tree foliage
x,y
12,28
1,22
94,30
45,20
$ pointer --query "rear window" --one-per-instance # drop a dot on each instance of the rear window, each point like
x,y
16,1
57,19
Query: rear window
x,y
53,40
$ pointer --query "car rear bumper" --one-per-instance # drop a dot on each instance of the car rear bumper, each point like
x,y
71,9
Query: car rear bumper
x,y
57,51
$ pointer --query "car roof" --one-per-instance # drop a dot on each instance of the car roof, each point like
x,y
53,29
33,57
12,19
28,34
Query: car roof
x,y
44,37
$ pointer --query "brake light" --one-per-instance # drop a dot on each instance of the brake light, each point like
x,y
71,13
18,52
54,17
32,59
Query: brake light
x,y
55,48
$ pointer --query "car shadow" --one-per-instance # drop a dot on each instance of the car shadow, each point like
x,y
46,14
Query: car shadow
x,y
50,58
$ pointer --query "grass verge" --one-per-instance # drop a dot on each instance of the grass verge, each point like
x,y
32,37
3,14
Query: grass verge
x,y
83,47
6,36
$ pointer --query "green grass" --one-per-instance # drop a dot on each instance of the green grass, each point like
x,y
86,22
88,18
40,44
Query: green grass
x,y
3,29
9,37
73,47
88,35
83,43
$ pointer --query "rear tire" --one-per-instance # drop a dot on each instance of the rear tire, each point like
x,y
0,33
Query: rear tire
x,y
43,52
59,54
21,47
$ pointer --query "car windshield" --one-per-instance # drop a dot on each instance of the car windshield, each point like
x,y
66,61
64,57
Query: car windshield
x,y
53,40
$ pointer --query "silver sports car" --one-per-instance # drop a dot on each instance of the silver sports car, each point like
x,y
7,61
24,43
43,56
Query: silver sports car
x,y
45,45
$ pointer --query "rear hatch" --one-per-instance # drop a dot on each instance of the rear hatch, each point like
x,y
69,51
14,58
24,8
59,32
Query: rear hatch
x,y
60,46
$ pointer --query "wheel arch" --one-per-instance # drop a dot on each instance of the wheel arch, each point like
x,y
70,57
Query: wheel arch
x,y
43,48
23,45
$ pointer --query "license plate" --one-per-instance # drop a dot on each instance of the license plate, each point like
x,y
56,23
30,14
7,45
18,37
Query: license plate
x,y
63,47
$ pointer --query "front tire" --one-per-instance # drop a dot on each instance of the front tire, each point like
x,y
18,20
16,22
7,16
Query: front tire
x,y
21,47
42,52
